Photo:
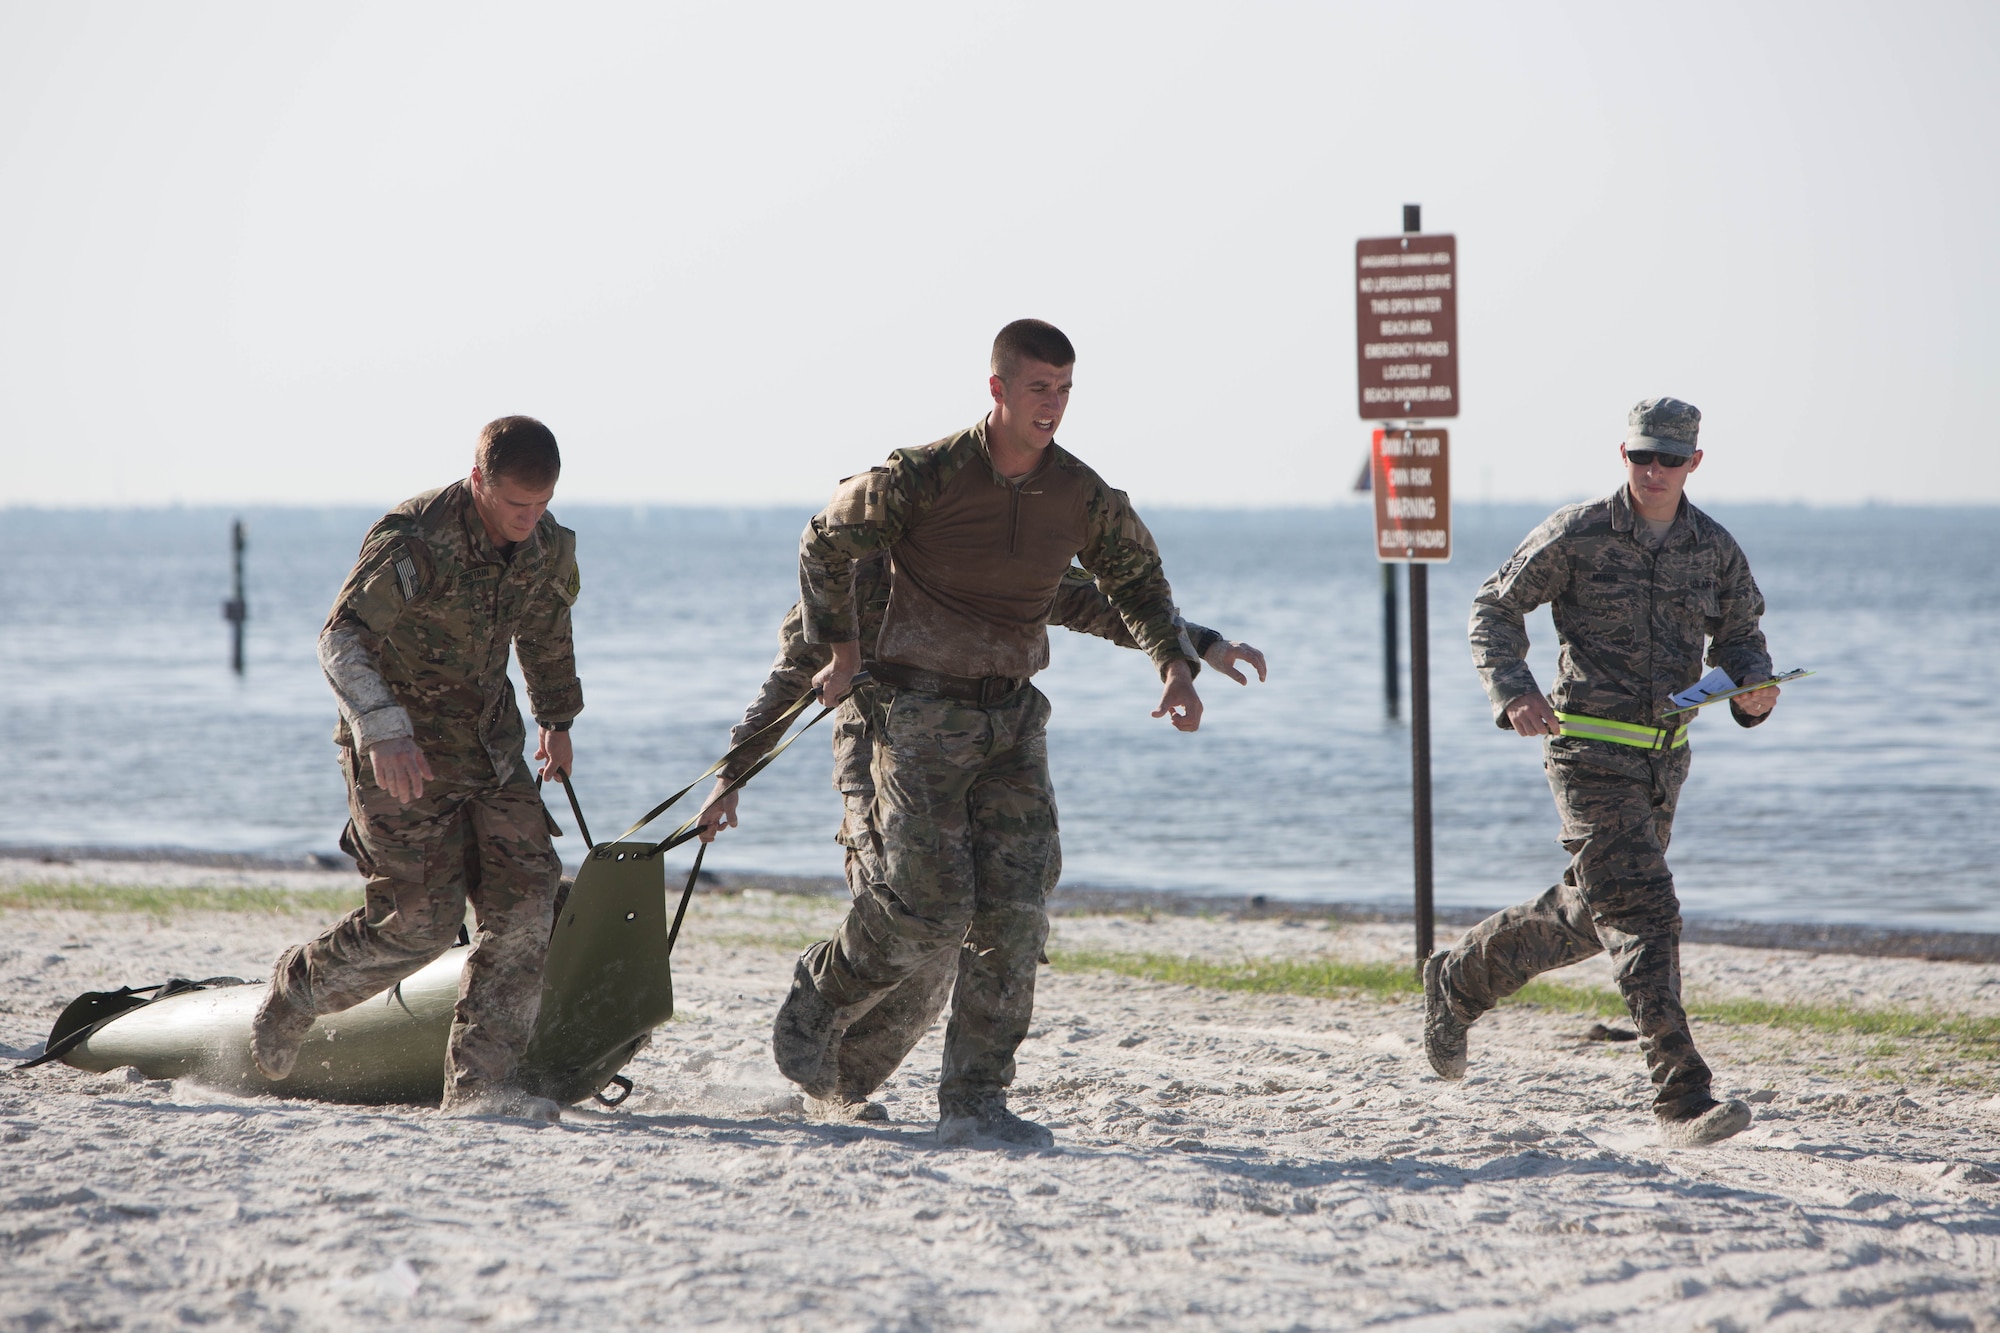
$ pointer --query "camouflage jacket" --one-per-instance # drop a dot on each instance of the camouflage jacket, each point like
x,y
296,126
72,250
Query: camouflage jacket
x,y
966,597
1079,606
1631,619
417,642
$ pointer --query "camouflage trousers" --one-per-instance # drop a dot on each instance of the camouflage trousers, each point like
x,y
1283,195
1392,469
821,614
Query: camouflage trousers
x,y
876,1044
424,861
956,885
1617,895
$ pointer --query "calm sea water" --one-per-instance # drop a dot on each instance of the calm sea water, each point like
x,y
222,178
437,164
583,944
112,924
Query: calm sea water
x,y
1869,797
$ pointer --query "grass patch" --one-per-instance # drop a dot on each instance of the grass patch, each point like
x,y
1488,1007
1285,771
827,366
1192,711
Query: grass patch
x,y
165,902
1971,1037
1323,977
790,941
1977,1036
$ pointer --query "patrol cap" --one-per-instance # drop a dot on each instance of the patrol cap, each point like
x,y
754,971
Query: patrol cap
x,y
1665,426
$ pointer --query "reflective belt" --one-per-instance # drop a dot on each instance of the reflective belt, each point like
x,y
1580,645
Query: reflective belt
x,y
1623,733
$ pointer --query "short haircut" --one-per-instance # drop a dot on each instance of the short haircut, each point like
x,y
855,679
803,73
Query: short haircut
x,y
521,449
1030,340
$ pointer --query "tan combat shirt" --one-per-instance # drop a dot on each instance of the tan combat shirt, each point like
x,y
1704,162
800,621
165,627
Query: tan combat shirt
x,y
976,561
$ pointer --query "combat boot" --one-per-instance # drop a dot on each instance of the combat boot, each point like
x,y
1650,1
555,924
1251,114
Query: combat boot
x,y
280,1026
986,1120
1702,1125
805,1038
845,1104
470,1100
1444,1034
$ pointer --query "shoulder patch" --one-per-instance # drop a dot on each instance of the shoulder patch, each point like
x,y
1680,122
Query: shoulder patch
x,y
406,574
861,498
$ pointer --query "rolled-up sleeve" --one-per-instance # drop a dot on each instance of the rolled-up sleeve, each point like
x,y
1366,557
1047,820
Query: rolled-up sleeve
x,y
389,575
1534,575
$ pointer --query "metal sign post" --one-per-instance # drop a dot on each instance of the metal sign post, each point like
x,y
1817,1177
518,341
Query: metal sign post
x,y
1406,325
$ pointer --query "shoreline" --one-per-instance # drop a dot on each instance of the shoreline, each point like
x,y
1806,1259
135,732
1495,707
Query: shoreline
x,y
1938,946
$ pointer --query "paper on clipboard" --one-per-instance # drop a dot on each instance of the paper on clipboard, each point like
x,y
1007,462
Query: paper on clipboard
x,y
1717,686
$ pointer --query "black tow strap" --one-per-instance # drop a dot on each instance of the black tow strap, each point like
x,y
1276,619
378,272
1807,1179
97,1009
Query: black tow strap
x,y
93,1009
562,775
785,719
691,828
575,808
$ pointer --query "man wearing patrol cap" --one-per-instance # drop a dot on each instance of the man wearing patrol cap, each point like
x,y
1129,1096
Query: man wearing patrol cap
x,y
1638,583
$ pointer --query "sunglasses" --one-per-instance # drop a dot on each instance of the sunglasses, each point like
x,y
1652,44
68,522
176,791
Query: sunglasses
x,y
1647,457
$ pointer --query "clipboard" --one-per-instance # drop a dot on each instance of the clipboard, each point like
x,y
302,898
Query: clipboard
x,y
1779,679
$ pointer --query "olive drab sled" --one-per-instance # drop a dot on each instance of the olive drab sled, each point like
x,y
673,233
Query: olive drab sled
x,y
607,985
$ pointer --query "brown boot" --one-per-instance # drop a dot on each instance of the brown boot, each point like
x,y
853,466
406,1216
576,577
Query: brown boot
x,y
805,1038
279,1028
1702,1125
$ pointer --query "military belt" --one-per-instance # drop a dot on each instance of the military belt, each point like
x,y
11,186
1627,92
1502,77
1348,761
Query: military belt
x,y
1623,733
986,691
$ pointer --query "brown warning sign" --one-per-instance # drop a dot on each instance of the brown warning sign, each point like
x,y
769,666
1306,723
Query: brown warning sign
x,y
1406,326
1412,483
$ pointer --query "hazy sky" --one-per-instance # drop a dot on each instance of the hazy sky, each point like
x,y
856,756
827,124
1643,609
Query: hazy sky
x,y
733,252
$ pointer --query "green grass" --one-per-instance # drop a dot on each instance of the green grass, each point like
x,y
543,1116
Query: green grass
x,y
1323,977
788,940
164,902
1967,1037
1973,1037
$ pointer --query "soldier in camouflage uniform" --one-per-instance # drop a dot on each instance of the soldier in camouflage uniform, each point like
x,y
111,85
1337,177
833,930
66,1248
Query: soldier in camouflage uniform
x,y
980,528
1637,584
441,806
875,1044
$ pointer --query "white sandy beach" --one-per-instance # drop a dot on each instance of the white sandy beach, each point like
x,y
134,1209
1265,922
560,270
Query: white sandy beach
x,y
1226,1160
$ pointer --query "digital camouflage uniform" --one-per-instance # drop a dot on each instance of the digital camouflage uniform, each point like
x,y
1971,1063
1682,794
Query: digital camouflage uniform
x,y
416,646
875,1045
963,820
1632,620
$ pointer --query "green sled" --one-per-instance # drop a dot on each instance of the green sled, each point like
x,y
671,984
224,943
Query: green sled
x,y
607,986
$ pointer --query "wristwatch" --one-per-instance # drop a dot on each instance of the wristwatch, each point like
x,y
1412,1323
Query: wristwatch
x,y
553,726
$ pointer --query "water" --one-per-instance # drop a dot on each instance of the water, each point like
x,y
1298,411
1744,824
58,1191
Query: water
x,y
1869,797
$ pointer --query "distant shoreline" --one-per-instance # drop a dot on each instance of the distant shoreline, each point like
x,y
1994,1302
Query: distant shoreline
x,y
1956,946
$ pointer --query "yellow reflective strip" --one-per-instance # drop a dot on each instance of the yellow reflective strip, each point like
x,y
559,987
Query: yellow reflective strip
x,y
1621,733
1606,724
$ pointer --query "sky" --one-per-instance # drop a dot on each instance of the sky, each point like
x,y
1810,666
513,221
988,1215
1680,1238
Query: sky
x,y
259,253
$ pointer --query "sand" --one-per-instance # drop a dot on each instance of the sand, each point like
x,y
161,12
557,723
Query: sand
x,y
1225,1160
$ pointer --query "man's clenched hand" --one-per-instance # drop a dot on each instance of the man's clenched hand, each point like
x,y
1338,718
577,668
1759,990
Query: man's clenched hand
x,y
400,768
719,811
837,676
1531,715
556,755
1178,701
1757,702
